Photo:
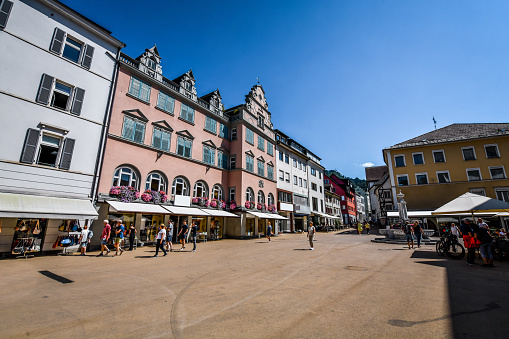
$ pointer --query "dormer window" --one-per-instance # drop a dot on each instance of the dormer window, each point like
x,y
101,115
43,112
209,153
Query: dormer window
x,y
188,86
260,121
151,64
215,102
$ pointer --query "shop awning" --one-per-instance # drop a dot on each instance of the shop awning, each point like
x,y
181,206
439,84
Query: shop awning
x,y
31,206
262,215
411,214
133,207
220,213
186,211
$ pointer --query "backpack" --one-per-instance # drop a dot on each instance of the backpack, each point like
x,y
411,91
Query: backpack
x,y
407,229
90,235
483,236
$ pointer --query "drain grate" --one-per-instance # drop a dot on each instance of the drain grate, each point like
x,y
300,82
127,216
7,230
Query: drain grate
x,y
355,268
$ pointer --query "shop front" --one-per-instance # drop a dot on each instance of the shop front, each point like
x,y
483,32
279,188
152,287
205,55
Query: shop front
x,y
260,220
286,211
35,224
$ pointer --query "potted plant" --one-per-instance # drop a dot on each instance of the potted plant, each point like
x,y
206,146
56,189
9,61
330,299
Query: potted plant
x,y
124,193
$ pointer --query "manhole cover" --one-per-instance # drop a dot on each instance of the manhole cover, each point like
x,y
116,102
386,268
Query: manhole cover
x,y
355,268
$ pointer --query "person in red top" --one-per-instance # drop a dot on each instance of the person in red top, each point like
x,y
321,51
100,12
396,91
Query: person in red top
x,y
105,236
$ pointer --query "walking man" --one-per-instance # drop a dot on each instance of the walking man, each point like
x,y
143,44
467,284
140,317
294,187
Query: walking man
x,y
183,234
84,240
418,232
105,236
407,229
269,230
311,235
119,237
160,239
194,231
169,236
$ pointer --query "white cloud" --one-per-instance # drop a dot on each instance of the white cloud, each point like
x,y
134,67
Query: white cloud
x,y
368,164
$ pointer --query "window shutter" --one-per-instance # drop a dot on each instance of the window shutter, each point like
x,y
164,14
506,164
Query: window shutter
x,y
87,58
5,10
77,103
139,130
65,160
45,89
58,41
30,147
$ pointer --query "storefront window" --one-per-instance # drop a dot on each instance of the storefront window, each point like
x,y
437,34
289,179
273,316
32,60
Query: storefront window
x,y
150,226
216,228
28,236
250,226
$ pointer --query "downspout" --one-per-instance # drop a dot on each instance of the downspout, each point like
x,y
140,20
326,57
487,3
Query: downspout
x,y
104,132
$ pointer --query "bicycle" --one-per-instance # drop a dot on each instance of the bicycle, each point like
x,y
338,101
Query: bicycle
x,y
450,246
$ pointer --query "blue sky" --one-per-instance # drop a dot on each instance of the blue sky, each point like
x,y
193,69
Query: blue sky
x,y
343,78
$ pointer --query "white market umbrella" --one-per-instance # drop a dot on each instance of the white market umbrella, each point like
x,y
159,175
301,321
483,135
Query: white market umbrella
x,y
472,203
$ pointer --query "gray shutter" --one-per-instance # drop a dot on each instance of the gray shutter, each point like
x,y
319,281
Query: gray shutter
x,y
65,159
30,147
45,89
5,10
77,102
87,58
58,41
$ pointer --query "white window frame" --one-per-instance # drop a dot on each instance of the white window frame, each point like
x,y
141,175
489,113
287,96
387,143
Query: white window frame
x,y
231,193
233,161
295,180
422,155
404,160
422,173
82,49
402,175
463,154
185,186
437,151
448,175
133,176
498,189
472,169
281,175
42,143
503,170
200,184
162,181
234,133
287,177
70,97
486,152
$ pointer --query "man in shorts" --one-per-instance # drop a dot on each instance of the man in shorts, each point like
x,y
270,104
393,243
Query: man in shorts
x,y
183,234
84,240
408,230
169,236
269,230
105,236
119,237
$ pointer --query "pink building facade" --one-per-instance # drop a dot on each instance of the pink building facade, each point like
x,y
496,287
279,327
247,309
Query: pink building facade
x,y
171,155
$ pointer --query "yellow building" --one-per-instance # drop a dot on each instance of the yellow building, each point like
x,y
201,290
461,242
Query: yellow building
x,y
438,166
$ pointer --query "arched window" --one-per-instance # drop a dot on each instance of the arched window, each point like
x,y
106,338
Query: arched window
x,y
270,199
261,197
180,186
217,192
125,176
249,194
200,190
155,182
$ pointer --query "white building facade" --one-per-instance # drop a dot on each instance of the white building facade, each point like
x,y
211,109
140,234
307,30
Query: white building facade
x,y
61,69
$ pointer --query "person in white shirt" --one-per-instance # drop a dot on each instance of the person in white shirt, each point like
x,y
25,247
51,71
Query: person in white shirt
x,y
84,240
311,234
455,230
483,224
160,240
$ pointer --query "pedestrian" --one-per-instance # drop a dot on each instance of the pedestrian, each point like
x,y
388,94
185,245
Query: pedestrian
x,y
311,234
455,231
469,240
183,234
105,236
132,236
418,232
194,231
482,224
359,227
160,240
119,237
169,236
485,246
368,226
269,230
407,229
84,240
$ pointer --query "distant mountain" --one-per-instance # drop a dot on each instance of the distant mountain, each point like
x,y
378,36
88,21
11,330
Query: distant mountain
x,y
358,183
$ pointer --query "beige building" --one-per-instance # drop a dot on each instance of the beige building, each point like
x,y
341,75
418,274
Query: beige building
x,y
438,166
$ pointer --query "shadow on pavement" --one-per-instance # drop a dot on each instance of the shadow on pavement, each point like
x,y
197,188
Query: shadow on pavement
x,y
301,249
478,297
